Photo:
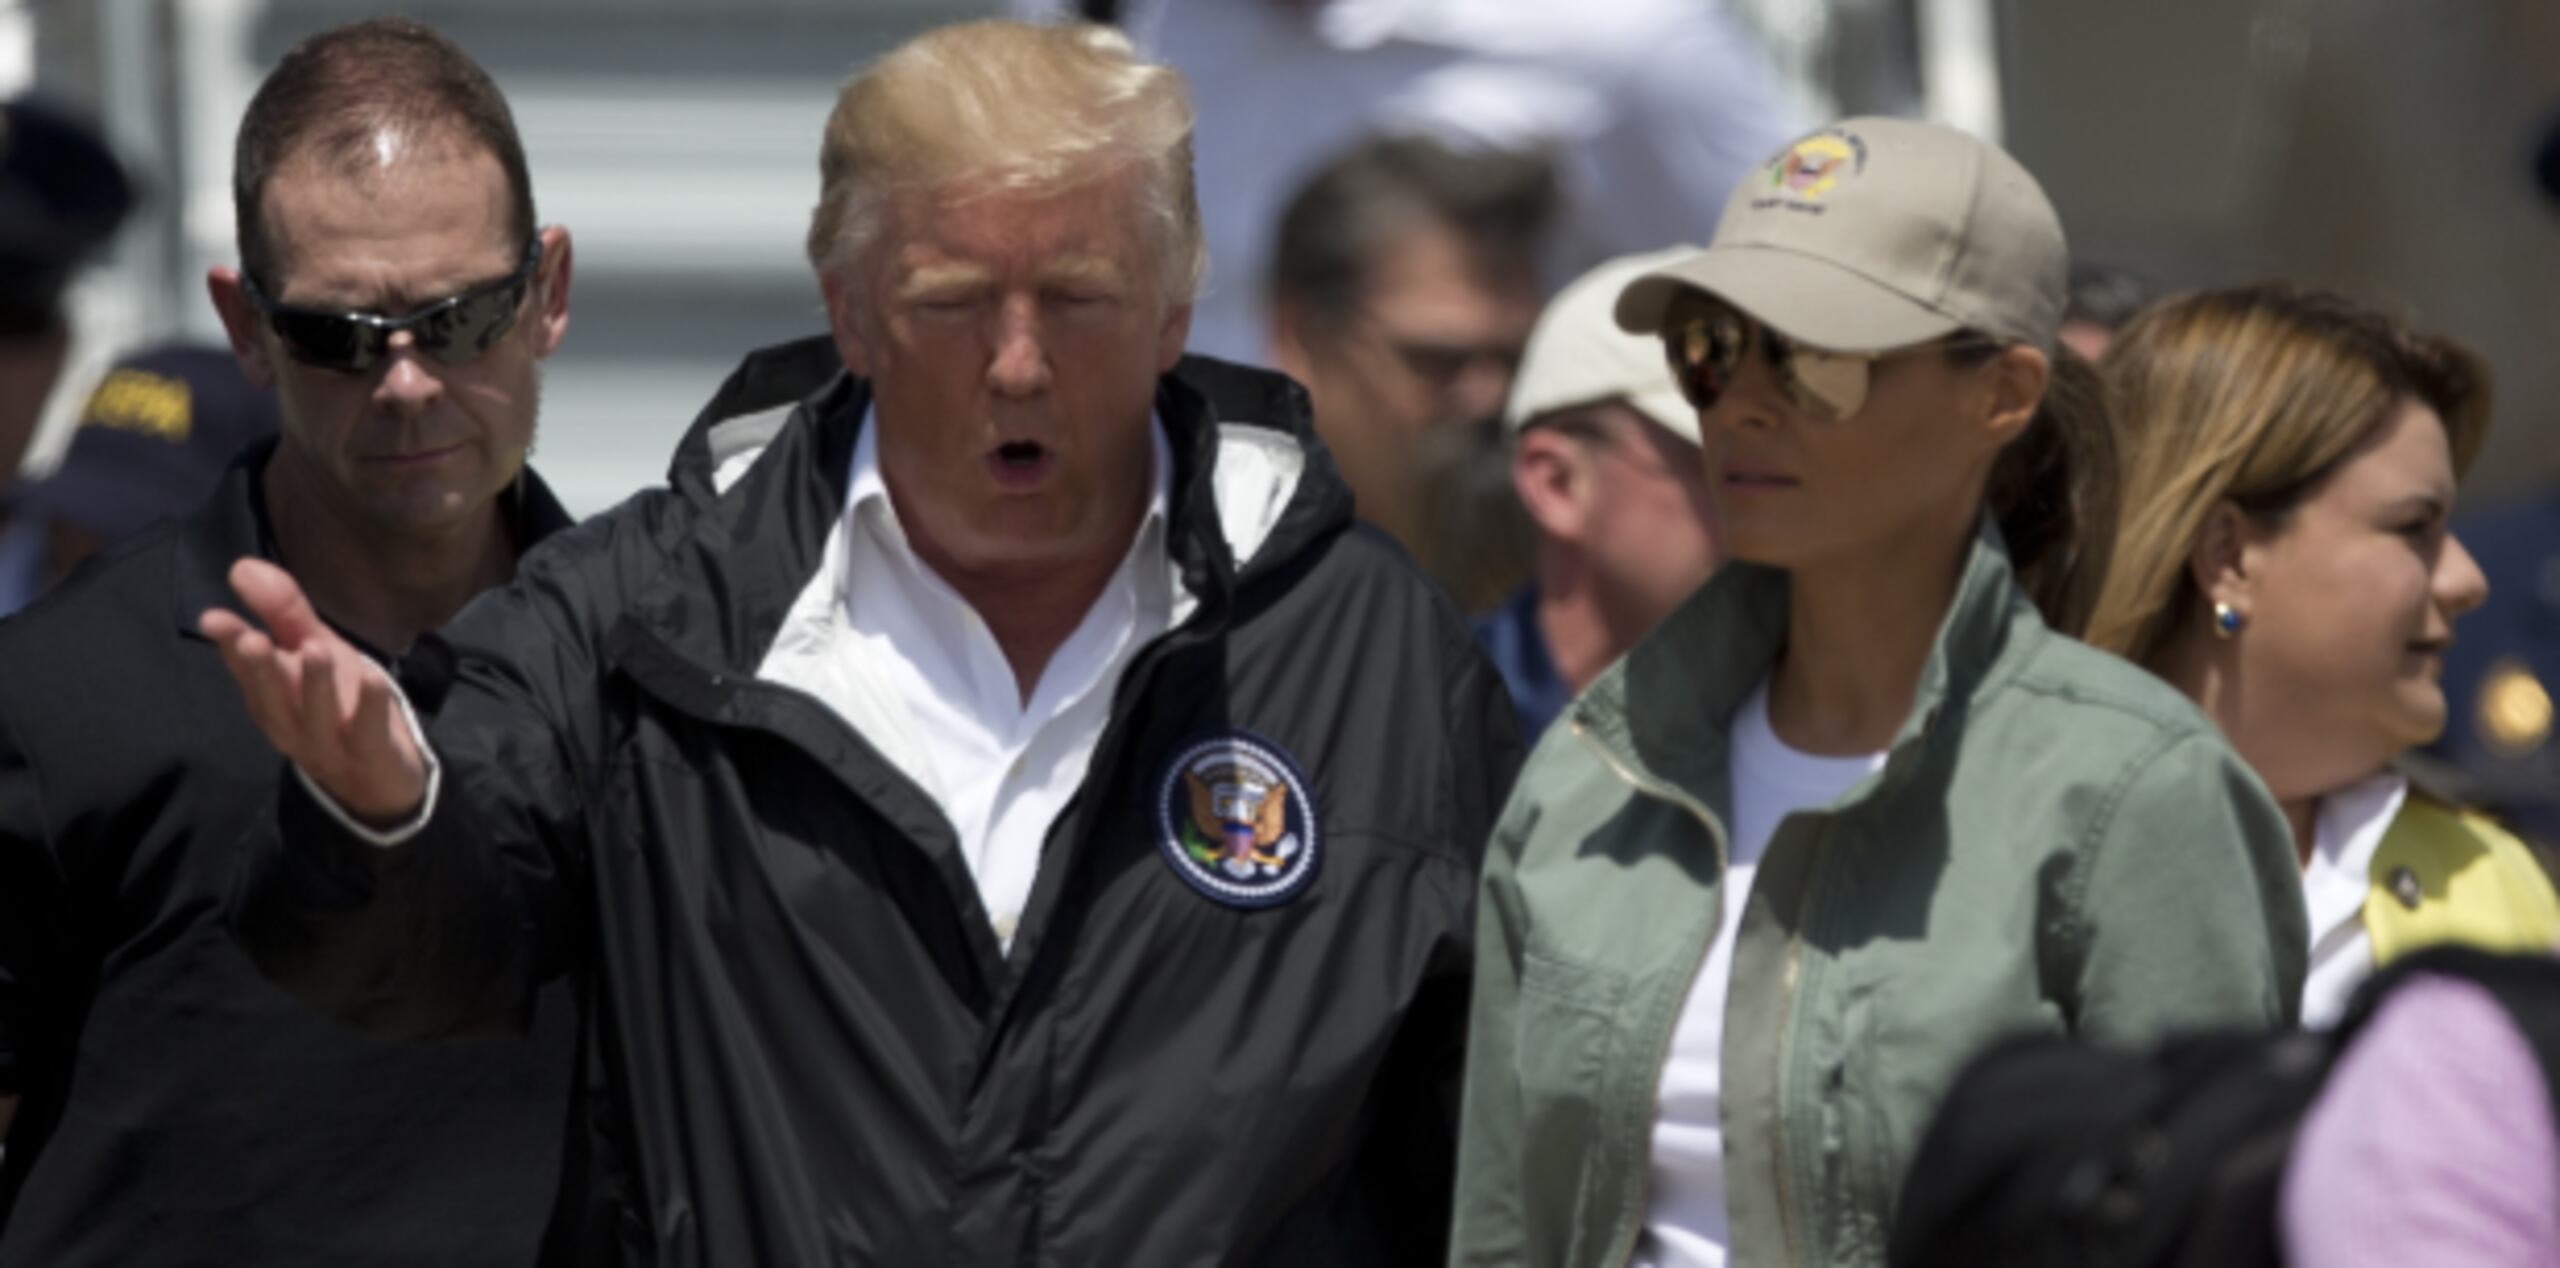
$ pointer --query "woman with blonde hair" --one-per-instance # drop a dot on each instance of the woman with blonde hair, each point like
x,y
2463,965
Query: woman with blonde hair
x,y
1854,809
2283,557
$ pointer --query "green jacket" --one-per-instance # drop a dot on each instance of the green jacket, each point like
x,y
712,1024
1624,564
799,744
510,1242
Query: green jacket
x,y
2058,842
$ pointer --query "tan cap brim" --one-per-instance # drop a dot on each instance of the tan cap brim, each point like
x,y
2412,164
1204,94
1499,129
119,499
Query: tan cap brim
x,y
1804,298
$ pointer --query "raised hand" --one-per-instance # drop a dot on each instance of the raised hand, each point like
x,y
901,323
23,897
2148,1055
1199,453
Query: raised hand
x,y
322,703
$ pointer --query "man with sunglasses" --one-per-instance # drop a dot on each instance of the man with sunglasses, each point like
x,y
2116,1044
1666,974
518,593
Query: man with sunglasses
x,y
396,295
999,806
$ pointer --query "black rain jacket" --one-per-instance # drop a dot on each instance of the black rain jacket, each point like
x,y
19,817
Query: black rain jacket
x,y
802,1042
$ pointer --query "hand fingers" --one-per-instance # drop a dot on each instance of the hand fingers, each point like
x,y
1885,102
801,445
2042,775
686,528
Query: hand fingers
x,y
279,603
220,625
319,716
265,688
378,734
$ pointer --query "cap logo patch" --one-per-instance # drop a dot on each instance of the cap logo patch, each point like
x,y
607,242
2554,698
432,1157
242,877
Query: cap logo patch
x,y
1809,169
138,400
1236,821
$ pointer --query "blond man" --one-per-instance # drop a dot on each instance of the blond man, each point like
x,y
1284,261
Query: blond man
x,y
996,805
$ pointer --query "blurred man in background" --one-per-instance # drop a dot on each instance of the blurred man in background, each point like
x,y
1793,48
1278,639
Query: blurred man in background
x,y
61,197
153,442
1604,454
394,292
1403,286
1653,109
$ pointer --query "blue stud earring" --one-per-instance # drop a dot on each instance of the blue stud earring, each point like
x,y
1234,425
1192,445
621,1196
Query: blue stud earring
x,y
2227,620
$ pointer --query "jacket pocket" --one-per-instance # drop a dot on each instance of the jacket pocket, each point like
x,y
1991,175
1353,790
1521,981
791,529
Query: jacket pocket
x,y
1563,1053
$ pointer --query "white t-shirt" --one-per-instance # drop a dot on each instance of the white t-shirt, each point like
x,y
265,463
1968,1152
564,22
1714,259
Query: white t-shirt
x,y
1684,1216
2344,834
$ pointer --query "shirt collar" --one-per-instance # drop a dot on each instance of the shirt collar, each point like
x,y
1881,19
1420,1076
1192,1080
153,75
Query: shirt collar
x,y
2346,831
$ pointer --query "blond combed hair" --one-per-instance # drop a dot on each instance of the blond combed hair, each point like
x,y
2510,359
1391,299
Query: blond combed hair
x,y
1015,107
2252,396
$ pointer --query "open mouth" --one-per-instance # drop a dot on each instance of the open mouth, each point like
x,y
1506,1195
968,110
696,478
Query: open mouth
x,y
1020,463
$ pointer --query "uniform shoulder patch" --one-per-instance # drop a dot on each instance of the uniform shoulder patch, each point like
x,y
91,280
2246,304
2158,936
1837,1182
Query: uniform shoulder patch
x,y
1237,820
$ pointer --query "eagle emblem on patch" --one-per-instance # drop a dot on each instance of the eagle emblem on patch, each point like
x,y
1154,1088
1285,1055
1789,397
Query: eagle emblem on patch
x,y
1236,821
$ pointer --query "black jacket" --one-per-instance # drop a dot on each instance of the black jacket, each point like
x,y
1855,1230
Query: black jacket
x,y
178,1108
805,1046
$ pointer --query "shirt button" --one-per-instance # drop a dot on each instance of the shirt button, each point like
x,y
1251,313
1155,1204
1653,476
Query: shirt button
x,y
1005,927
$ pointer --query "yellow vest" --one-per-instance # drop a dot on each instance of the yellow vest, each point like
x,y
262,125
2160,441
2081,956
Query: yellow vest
x,y
2446,875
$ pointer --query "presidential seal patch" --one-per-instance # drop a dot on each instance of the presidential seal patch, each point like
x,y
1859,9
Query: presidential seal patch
x,y
1237,822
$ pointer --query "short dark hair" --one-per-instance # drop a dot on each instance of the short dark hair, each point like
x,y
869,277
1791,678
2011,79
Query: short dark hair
x,y
2105,296
330,94
1500,201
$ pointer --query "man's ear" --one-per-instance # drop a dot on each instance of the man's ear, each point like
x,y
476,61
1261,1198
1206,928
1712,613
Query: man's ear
x,y
2019,375
1172,337
551,292
843,302
2219,564
1552,474
242,324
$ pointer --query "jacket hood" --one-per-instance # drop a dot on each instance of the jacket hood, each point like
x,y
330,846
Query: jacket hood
x,y
1253,486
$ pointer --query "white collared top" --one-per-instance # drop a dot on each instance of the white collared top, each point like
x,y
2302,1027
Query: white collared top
x,y
2347,830
920,675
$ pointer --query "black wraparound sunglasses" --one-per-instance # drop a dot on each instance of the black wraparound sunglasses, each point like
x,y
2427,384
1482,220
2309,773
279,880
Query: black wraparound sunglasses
x,y
453,330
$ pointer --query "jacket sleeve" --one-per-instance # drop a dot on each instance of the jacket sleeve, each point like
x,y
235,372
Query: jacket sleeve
x,y
2188,905
32,896
453,929
1409,1163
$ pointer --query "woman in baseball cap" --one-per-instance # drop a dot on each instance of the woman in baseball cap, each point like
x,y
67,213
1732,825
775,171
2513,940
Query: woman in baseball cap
x,y
1857,808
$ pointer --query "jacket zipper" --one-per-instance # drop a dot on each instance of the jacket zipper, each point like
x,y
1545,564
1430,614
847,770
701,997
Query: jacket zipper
x,y
1778,1070
1623,1243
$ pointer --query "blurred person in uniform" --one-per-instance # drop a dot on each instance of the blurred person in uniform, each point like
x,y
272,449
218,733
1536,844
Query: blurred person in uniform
x,y
1653,109
153,441
1002,807
62,194
1604,456
2501,676
395,293
1403,286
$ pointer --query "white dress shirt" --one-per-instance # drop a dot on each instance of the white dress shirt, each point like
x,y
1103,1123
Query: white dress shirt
x,y
1000,766
2348,828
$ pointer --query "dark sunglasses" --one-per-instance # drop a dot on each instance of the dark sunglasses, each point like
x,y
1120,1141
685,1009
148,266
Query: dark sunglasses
x,y
453,330
1706,342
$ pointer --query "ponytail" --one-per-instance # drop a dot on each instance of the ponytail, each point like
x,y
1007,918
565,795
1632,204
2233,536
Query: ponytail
x,y
2053,492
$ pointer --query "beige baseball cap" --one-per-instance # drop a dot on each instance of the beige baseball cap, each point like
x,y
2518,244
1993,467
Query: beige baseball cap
x,y
1578,356
1878,233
